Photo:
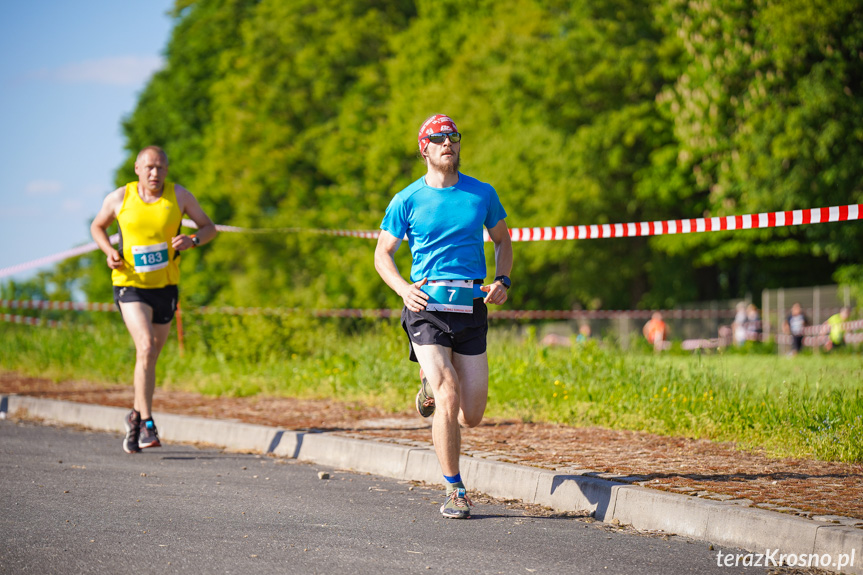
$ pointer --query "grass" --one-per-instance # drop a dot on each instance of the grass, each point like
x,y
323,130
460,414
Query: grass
x,y
808,406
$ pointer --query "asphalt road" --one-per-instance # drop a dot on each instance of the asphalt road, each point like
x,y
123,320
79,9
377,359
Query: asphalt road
x,y
73,502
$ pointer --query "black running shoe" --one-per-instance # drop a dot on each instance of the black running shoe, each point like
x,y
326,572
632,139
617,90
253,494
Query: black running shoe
x,y
149,436
132,421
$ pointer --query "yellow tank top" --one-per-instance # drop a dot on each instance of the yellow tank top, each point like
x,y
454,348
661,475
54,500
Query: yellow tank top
x,y
145,240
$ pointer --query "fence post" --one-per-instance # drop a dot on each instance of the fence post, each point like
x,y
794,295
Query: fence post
x,y
816,304
624,332
780,321
180,329
816,295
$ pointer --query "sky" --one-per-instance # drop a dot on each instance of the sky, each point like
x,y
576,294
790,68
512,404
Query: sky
x,y
69,73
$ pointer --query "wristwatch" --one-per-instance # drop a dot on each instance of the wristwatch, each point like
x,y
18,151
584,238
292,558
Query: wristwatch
x,y
504,281
196,241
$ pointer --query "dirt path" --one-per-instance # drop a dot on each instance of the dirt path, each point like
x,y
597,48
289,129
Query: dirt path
x,y
691,466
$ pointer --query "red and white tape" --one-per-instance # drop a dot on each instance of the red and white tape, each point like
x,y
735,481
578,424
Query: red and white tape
x,y
369,235
823,329
782,339
58,257
816,335
668,314
667,227
9,318
56,305
850,212
846,213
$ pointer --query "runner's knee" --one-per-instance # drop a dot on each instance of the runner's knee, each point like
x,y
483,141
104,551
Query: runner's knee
x,y
470,419
147,351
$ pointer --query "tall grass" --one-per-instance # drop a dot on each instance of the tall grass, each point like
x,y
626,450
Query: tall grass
x,y
808,406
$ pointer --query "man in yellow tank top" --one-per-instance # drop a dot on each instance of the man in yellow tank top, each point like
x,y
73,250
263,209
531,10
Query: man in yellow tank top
x,y
146,272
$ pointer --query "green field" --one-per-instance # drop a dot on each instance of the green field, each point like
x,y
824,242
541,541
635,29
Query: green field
x,y
808,406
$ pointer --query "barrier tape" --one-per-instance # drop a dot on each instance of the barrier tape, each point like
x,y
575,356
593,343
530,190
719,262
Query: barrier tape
x,y
30,320
365,234
686,345
58,257
832,214
821,329
815,336
386,313
56,305
782,339
496,314
697,225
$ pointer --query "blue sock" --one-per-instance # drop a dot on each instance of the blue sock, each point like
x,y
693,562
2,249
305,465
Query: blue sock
x,y
453,479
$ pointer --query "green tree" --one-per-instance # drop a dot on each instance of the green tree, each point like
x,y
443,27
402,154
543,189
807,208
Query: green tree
x,y
302,114
764,113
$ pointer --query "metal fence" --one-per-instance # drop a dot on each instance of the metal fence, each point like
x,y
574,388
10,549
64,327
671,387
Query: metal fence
x,y
708,320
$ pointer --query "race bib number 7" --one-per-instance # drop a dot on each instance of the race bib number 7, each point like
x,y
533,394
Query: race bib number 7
x,y
450,295
150,258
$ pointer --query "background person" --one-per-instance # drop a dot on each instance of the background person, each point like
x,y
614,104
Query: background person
x,y
738,326
836,325
583,333
794,325
146,272
753,323
655,331
443,214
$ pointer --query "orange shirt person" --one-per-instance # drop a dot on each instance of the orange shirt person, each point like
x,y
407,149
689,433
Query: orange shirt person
x,y
656,331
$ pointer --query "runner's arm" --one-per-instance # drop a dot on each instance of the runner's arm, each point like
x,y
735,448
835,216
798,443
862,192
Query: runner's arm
x,y
385,264
499,234
103,220
206,228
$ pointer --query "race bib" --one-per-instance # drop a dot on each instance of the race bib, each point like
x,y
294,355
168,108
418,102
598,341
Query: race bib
x,y
451,295
150,258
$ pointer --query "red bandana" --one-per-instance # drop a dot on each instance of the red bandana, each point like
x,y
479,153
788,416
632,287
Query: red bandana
x,y
434,125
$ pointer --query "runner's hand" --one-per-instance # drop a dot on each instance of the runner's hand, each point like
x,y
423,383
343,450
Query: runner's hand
x,y
496,293
182,242
115,261
415,299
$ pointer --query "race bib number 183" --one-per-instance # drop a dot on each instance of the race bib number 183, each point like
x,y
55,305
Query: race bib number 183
x,y
150,258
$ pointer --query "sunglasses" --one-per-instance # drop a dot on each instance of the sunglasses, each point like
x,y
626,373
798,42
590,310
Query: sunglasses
x,y
439,138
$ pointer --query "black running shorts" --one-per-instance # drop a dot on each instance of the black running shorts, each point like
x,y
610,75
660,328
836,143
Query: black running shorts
x,y
162,300
465,333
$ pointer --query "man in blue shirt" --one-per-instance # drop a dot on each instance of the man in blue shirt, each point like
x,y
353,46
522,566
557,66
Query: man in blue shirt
x,y
445,315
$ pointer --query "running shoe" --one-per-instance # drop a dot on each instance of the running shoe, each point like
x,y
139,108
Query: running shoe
x,y
132,421
425,397
149,436
457,505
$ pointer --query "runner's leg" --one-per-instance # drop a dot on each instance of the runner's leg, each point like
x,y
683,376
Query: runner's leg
x,y
472,373
437,364
149,339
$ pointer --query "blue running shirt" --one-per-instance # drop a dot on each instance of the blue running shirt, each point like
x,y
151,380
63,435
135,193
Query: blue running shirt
x,y
444,227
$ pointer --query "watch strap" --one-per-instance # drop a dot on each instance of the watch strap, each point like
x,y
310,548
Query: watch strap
x,y
504,280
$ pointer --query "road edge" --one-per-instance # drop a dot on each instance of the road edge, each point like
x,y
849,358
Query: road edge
x,y
725,523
